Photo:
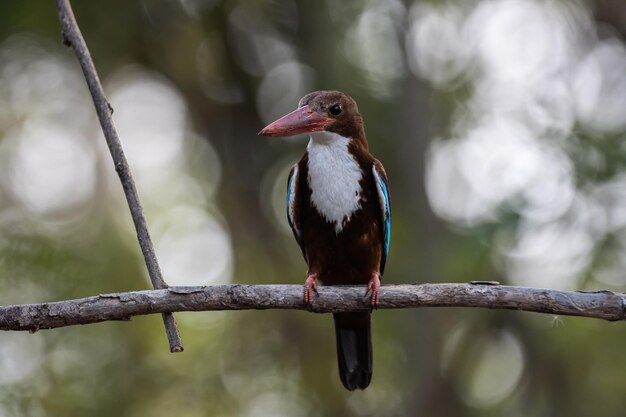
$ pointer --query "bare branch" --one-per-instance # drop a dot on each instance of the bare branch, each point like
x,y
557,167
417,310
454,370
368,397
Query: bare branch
x,y
122,306
73,38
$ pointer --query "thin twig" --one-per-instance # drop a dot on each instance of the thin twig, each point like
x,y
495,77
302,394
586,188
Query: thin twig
x,y
73,38
122,306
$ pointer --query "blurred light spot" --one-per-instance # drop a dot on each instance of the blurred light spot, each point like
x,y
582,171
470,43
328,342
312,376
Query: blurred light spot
x,y
52,168
468,179
37,84
552,255
449,192
150,116
499,159
544,106
281,89
519,40
21,355
372,45
497,371
193,248
600,87
276,404
178,187
551,189
611,196
435,44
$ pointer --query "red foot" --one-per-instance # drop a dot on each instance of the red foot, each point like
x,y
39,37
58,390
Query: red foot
x,y
373,286
310,288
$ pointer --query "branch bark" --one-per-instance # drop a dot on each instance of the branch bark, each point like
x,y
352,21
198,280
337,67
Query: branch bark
x,y
73,38
604,305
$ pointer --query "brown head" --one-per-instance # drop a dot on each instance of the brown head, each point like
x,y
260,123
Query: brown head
x,y
330,111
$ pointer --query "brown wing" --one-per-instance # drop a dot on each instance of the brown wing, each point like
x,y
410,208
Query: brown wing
x,y
294,206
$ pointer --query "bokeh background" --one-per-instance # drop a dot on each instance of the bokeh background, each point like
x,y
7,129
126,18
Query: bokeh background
x,y
502,126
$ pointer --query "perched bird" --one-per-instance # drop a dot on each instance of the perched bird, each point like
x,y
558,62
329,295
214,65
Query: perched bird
x,y
338,208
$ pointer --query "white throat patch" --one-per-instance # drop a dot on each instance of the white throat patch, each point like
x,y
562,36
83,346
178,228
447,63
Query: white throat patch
x,y
334,178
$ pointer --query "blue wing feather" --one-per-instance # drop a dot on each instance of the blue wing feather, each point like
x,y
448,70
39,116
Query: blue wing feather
x,y
382,188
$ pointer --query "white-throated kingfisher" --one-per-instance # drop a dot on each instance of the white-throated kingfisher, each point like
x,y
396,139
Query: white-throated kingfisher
x,y
338,208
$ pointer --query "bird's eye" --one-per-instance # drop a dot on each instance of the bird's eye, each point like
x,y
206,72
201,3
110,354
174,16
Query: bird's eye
x,y
335,109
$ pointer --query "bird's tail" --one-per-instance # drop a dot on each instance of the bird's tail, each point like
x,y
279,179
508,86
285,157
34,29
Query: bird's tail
x,y
354,349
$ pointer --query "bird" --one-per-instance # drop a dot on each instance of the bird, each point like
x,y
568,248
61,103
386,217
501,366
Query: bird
x,y
339,210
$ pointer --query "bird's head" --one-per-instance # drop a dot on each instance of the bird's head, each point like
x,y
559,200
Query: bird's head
x,y
321,111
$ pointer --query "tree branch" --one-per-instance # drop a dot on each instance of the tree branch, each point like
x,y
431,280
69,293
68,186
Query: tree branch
x,y
73,38
122,306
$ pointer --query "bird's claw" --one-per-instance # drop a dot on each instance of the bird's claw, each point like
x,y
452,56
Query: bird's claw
x,y
373,288
310,288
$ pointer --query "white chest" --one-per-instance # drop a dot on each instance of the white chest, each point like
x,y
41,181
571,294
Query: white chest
x,y
334,178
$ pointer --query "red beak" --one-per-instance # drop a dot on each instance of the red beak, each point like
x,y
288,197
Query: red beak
x,y
302,120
